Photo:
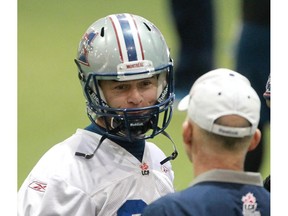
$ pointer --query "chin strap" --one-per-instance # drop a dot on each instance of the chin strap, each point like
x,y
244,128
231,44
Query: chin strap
x,y
174,153
89,156
171,157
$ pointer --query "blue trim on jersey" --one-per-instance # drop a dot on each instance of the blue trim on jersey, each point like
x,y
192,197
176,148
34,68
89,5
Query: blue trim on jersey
x,y
128,37
131,207
135,148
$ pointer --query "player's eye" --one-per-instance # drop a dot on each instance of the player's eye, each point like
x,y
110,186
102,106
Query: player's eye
x,y
120,87
148,82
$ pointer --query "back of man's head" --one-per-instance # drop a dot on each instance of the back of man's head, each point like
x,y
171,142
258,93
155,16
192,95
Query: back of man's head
x,y
219,93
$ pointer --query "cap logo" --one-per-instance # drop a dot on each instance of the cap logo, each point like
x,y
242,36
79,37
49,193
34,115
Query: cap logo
x,y
228,132
231,131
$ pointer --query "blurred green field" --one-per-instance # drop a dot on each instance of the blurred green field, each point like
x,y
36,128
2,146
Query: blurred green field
x,y
50,101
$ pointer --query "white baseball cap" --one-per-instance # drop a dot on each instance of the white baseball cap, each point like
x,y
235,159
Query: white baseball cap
x,y
218,93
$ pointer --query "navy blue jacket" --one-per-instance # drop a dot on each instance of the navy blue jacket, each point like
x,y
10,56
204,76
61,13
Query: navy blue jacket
x,y
214,193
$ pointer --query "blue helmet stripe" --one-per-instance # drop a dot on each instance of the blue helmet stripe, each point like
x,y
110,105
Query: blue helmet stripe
x,y
128,38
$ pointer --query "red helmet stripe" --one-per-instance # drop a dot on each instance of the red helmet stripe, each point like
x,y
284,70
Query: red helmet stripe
x,y
117,37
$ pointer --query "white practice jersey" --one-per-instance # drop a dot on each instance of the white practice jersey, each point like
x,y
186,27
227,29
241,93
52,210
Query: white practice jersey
x,y
113,182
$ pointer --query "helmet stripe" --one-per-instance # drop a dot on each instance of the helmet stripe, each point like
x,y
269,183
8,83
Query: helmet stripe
x,y
112,18
138,44
128,39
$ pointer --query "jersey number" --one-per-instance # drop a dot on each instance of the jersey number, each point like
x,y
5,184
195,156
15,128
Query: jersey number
x,y
132,207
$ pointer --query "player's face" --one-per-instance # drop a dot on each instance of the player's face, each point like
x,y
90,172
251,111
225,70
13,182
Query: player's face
x,y
130,94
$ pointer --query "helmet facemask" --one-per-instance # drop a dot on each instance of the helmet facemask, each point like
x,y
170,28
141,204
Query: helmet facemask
x,y
131,123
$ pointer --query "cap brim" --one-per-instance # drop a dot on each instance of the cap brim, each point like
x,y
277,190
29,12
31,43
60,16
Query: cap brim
x,y
183,104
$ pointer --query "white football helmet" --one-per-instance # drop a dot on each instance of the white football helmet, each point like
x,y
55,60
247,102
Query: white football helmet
x,y
125,47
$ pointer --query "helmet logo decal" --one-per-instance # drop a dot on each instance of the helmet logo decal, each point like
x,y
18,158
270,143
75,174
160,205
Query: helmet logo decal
x,y
86,47
128,38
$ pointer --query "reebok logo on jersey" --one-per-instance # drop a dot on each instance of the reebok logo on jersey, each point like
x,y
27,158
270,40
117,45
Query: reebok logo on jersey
x,y
38,186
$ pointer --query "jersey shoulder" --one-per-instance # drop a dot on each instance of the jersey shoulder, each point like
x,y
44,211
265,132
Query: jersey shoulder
x,y
59,160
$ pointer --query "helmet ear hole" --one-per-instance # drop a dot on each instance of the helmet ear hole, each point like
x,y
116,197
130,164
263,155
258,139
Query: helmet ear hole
x,y
102,32
149,29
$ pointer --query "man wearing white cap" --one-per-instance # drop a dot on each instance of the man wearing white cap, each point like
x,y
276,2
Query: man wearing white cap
x,y
223,112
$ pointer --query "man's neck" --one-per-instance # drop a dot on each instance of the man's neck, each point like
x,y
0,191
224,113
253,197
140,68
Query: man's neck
x,y
209,163
135,148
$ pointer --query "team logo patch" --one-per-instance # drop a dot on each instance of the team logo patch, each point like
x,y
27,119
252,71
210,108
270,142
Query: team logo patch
x,y
250,205
144,169
86,47
38,186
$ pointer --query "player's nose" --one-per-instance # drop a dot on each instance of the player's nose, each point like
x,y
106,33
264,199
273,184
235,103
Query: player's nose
x,y
134,96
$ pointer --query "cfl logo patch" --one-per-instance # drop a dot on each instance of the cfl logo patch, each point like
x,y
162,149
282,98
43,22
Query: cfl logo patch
x,y
144,169
250,205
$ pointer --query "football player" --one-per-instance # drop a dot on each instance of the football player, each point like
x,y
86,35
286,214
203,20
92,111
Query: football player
x,y
109,167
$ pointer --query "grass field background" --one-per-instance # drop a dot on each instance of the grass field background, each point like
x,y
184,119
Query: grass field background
x,y
50,102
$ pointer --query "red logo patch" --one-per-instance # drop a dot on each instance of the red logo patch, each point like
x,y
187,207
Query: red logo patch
x,y
38,186
144,169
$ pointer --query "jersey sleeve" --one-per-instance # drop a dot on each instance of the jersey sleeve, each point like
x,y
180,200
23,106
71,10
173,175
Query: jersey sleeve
x,y
54,198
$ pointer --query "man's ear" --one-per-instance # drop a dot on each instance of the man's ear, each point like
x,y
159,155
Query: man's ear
x,y
187,132
255,140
